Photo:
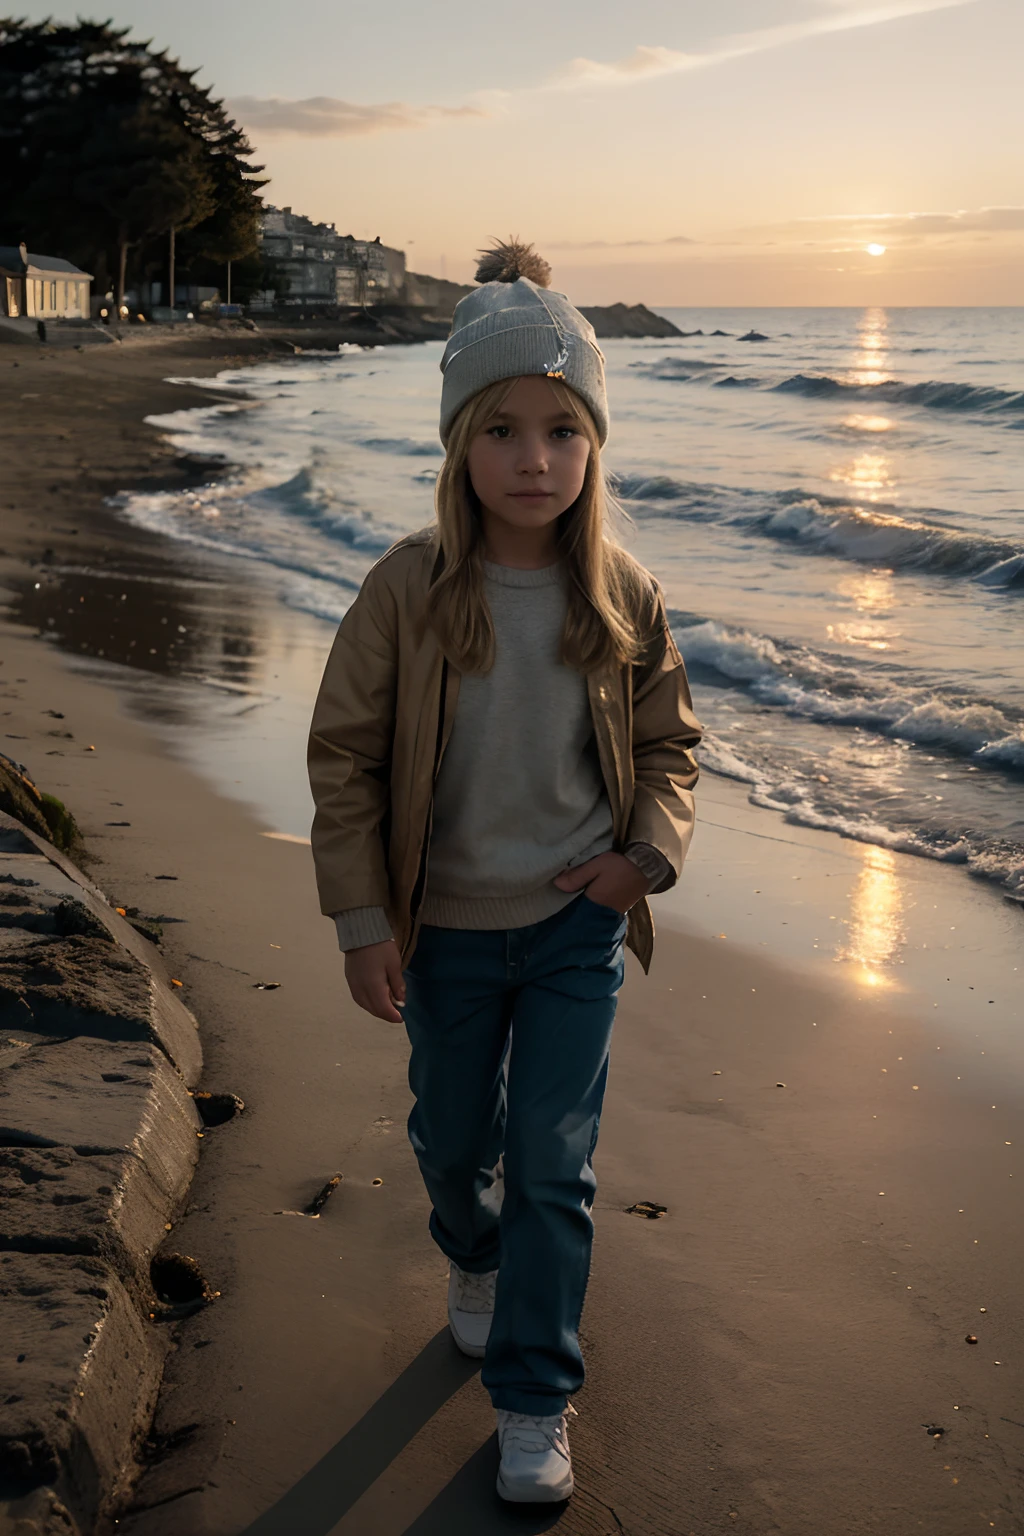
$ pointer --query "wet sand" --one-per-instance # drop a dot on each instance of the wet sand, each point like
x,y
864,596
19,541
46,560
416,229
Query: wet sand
x,y
72,429
776,1353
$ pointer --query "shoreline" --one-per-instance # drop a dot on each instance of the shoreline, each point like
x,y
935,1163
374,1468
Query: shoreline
x,y
236,601
144,461
191,581
786,1328
63,467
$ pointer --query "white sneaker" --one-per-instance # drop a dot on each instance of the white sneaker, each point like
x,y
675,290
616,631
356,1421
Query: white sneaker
x,y
471,1309
535,1464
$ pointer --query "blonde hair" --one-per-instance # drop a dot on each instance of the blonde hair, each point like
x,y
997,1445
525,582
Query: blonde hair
x,y
600,574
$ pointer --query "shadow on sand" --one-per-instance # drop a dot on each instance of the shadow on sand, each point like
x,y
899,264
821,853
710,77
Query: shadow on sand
x,y
468,1506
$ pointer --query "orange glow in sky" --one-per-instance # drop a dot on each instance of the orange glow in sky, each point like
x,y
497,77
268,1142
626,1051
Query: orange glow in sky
x,y
746,152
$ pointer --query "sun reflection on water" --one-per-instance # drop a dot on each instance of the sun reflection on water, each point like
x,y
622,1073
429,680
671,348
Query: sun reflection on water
x,y
875,931
868,367
870,591
860,423
870,474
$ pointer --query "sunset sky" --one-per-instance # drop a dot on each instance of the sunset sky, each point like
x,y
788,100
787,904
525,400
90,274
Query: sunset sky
x,y
673,151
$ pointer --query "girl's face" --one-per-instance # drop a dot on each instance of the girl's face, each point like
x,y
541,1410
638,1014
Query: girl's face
x,y
528,463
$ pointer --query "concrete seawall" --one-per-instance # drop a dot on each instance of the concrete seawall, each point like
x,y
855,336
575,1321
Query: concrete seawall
x,y
99,1136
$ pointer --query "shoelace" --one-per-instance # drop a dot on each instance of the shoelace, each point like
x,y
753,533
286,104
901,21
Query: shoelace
x,y
476,1292
533,1434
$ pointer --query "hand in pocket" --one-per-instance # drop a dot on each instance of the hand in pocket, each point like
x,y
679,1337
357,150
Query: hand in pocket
x,y
610,880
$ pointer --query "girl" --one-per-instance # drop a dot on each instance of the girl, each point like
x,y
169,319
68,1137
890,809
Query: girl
x,y
501,759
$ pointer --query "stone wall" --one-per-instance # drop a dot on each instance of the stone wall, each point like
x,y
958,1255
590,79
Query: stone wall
x,y
99,1136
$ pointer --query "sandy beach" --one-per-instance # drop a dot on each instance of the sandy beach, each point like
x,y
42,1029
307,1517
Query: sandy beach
x,y
834,1125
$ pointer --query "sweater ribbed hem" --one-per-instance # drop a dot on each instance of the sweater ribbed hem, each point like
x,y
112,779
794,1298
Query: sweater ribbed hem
x,y
361,926
494,912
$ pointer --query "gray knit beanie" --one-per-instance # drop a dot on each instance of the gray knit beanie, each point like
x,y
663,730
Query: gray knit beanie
x,y
514,325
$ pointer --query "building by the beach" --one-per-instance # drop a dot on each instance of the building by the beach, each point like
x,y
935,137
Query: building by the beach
x,y
42,287
318,268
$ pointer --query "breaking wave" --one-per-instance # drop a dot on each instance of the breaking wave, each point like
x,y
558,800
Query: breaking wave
x,y
819,687
869,534
903,708
997,860
315,542
874,535
935,394
929,394
305,496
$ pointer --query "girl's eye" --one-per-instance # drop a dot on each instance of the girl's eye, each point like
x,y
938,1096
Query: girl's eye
x,y
563,434
500,432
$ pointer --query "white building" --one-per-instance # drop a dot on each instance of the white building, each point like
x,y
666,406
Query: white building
x,y
43,287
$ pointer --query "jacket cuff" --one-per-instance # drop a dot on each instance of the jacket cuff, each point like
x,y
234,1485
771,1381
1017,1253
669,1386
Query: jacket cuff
x,y
650,861
361,926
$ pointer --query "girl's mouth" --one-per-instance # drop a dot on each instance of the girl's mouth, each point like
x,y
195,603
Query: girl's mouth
x,y
531,495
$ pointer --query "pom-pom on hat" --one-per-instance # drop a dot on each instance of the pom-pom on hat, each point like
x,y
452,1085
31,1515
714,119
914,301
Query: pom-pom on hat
x,y
513,325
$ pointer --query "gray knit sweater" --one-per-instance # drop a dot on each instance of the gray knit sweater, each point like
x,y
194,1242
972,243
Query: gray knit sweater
x,y
519,795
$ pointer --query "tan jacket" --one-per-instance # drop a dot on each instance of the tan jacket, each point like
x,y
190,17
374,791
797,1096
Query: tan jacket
x,y
383,717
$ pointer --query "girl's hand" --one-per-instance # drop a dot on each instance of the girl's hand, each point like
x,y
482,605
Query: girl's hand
x,y
375,980
611,880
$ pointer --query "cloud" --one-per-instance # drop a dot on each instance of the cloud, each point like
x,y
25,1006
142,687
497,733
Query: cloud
x,y
912,226
822,233
645,62
329,117
980,221
325,117
613,245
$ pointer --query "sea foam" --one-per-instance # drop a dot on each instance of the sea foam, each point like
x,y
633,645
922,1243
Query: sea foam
x,y
826,689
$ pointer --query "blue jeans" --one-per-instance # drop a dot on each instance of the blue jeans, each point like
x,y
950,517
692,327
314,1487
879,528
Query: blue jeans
x,y
506,1156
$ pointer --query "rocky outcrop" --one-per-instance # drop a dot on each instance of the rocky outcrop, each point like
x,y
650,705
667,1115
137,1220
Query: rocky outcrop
x,y
629,320
99,1136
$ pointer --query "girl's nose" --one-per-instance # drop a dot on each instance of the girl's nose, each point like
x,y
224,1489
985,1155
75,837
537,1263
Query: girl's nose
x,y
533,459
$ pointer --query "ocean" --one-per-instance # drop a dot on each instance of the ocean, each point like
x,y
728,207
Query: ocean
x,y
835,511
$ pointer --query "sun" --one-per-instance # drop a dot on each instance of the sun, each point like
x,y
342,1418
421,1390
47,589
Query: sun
x,y
876,250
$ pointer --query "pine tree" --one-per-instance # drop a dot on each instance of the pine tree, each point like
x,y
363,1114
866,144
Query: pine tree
x,y
106,145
